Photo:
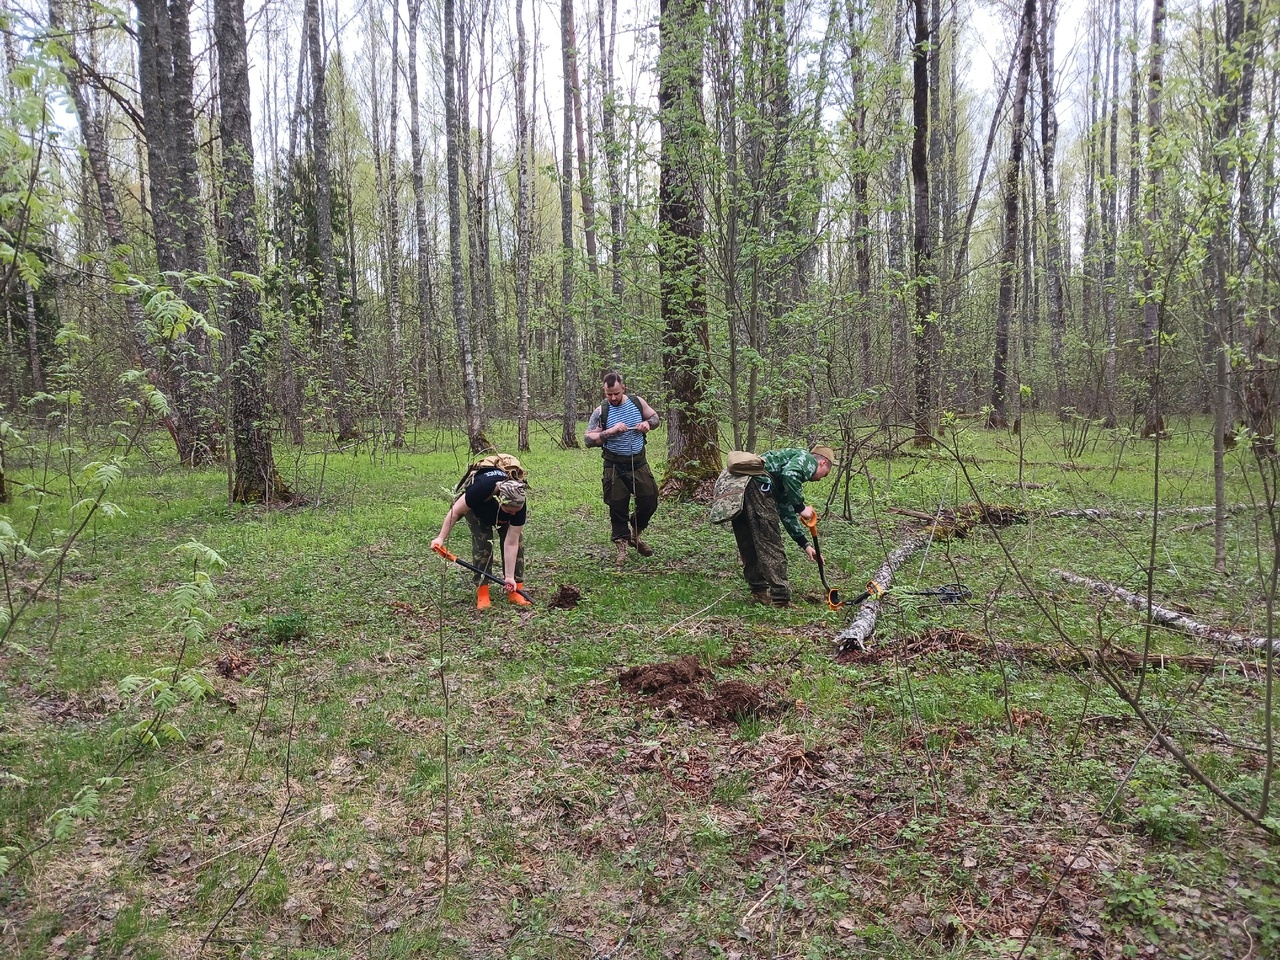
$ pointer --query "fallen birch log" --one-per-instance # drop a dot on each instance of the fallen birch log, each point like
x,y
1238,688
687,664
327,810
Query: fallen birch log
x,y
1164,617
1095,514
1132,660
963,518
863,624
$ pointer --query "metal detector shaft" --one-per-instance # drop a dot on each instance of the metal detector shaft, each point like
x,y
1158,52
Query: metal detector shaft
x,y
453,558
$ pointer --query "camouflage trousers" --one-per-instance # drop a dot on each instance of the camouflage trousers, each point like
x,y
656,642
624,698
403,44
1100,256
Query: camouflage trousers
x,y
482,548
759,535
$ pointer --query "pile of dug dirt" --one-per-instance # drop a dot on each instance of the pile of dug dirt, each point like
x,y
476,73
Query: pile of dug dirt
x,y
688,689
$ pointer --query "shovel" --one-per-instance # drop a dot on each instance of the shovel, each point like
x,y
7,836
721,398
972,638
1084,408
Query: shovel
x,y
833,595
453,558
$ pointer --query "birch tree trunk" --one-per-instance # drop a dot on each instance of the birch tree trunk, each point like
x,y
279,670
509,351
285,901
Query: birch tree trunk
x,y
1012,221
427,340
568,332
1111,229
1089,241
396,347
1226,117
586,190
923,411
290,391
1153,418
861,178
335,334
33,338
693,453
470,387
476,189
1052,222
612,158
256,479
524,231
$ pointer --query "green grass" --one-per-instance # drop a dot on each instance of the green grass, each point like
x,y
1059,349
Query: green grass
x,y
912,805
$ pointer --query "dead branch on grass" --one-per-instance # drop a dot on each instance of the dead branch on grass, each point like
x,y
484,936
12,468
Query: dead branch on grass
x,y
964,518
284,813
1095,514
1165,617
1193,663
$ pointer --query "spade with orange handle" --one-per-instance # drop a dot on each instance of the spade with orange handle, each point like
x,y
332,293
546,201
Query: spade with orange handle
x,y
453,558
833,595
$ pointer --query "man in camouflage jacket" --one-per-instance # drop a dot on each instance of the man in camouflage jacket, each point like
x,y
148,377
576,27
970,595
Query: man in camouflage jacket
x,y
773,501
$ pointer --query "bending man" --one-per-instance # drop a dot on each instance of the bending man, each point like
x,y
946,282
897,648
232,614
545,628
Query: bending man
x,y
619,426
777,498
492,498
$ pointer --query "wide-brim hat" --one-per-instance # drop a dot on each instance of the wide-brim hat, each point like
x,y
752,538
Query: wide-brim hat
x,y
826,453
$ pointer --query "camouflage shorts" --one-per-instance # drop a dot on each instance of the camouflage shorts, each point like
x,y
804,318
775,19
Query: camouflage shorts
x,y
482,548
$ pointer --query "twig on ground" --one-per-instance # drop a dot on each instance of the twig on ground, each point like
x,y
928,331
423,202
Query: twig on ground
x,y
697,613
252,842
769,893
284,812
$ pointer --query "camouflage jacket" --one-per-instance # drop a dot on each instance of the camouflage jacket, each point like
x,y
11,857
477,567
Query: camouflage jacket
x,y
788,469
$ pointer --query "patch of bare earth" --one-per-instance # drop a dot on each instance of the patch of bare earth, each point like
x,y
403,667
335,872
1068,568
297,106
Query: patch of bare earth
x,y
687,689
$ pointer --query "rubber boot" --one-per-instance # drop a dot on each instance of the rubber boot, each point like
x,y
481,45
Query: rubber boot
x,y
482,597
517,599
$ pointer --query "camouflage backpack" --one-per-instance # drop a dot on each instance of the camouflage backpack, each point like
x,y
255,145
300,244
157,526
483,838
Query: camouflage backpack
x,y
726,500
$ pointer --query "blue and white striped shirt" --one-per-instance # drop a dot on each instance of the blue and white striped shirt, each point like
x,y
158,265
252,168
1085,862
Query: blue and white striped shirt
x,y
624,445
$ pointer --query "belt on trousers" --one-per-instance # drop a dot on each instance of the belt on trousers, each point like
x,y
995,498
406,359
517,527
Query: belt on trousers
x,y
626,459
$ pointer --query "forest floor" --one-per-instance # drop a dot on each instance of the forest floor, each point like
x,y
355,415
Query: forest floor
x,y
659,768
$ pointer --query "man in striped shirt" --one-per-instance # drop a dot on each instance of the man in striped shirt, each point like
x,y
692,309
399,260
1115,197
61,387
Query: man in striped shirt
x,y
618,426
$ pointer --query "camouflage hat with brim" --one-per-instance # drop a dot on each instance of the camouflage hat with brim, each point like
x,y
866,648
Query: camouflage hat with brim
x,y
826,453
510,492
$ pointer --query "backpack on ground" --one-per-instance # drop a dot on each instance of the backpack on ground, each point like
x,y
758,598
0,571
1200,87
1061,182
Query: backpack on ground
x,y
502,461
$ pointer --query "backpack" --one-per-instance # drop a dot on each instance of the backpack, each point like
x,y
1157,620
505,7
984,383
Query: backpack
x,y
742,464
727,499
502,461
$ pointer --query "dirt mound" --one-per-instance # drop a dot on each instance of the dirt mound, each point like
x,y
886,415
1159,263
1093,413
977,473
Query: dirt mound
x,y
657,677
566,598
235,664
687,689
737,700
